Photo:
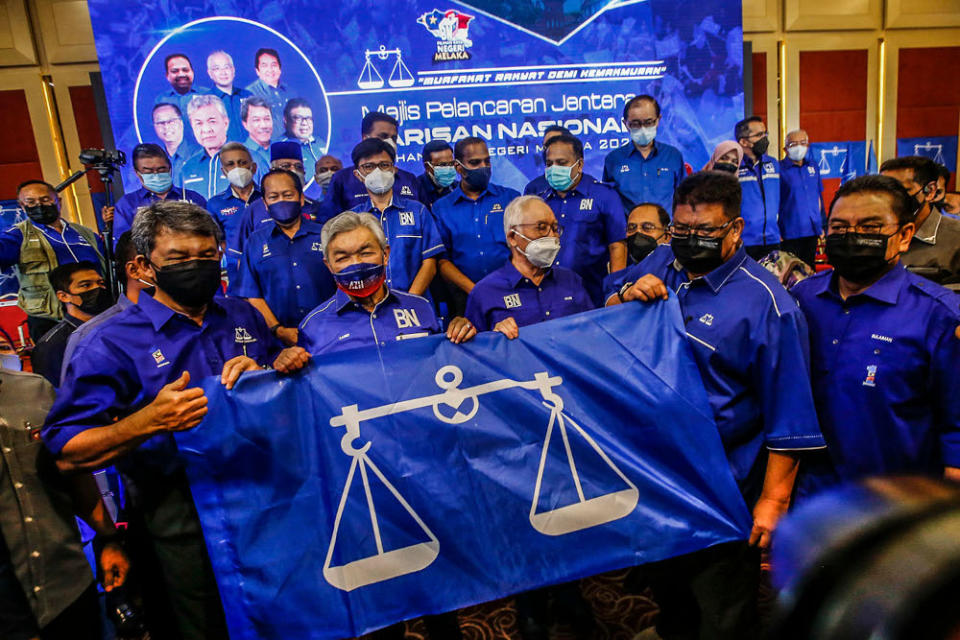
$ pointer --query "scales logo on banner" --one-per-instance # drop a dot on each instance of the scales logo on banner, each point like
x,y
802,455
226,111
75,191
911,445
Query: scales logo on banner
x,y
448,407
451,28
940,149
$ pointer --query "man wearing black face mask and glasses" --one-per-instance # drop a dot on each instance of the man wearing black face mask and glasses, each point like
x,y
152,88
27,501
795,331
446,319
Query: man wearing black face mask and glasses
x,y
134,382
759,176
934,252
749,341
40,244
80,288
884,346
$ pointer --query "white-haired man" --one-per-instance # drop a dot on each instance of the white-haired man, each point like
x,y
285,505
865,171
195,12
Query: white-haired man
x,y
222,72
210,122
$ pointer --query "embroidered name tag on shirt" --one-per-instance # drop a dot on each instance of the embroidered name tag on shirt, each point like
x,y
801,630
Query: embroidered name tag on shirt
x,y
877,336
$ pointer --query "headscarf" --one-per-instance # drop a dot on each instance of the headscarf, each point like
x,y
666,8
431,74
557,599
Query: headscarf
x,y
724,147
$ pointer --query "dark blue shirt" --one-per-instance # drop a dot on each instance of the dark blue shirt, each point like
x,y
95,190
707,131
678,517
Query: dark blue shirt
x,y
288,273
233,103
346,191
127,206
184,152
229,210
885,373
340,323
430,192
506,293
87,327
760,183
750,341
801,193
181,100
260,155
276,97
412,236
256,215
204,175
123,363
536,186
650,179
68,246
592,218
472,230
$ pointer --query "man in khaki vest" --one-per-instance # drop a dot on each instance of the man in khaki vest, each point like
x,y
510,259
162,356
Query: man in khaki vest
x,y
38,245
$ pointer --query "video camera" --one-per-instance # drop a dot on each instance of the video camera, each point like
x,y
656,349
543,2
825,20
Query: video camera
x,y
103,158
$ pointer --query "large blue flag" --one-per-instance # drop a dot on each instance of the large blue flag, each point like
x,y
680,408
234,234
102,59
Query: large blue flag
x,y
380,485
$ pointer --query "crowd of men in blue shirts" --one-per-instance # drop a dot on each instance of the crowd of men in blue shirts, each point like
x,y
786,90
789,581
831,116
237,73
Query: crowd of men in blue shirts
x,y
849,373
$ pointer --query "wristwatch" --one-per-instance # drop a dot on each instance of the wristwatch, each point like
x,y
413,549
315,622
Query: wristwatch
x,y
623,290
275,328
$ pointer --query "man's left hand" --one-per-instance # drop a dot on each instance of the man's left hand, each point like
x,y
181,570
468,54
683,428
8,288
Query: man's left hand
x,y
115,565
234,367
460,330
766,513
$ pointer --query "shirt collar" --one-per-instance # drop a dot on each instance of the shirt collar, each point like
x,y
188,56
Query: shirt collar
x,y
462,196
886,289
146,194
927,232
653,152
250,143
72,321
160,314
346,303
719,276
514,277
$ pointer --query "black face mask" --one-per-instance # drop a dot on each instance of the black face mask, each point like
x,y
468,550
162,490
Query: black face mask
x,y
858,257
43,213
760,146
698,254
191,284
94,301
640,246
729,167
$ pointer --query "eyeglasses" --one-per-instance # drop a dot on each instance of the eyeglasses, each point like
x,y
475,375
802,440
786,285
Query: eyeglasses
x,y
434,165
754,135
797,143
222,67
646,227
44,200
870,228
290,166
167,123
299,119
544,228
637,124
685,230
367,167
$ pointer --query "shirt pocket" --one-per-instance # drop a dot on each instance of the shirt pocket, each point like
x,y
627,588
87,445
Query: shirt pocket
x,y
586,227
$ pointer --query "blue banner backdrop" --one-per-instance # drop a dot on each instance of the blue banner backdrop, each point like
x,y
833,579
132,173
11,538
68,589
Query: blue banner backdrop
x,y
503,70
384,484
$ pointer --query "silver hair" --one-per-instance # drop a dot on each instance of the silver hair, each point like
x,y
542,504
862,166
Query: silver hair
x,y
172,215
198,102
221,53
348,221
514,211
235,146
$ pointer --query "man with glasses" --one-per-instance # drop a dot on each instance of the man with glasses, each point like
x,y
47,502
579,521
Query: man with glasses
x,y
749,340
168,125
934,252
528,288
414,241
298,127
801,199
470,219
644,169
760,182
439,172
591,212
884,345
221,70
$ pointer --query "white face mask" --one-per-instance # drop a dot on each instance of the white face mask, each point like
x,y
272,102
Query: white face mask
x,y
797,153
239,177
379,181
324,178
391,142
542,251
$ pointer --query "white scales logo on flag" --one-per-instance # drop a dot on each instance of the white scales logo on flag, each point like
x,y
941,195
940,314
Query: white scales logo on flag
x,y
387,564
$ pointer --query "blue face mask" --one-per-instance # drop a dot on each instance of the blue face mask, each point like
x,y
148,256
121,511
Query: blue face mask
x,y
445,176
360,280
284,211
560,178
157,182
478,179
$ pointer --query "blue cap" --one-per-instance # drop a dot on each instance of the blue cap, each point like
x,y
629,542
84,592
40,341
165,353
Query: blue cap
x,y
286,150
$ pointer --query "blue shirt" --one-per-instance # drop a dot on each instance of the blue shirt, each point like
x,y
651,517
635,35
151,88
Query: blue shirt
x,y
260,155
68,246
801,195
228,210
760,183
184,152
124,362
87,327
472,230
289,273
127,206
430,192
536,186
312,150
592,218
340,323
256,215
233,103
412,236
506,293
181,100
749,339
650,179
204,175
885,373
346,191
277,98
